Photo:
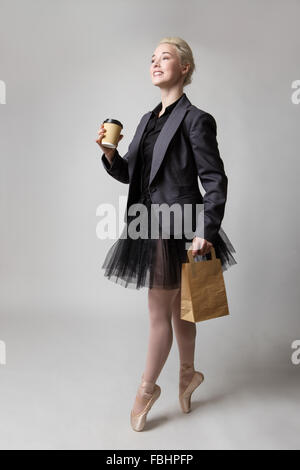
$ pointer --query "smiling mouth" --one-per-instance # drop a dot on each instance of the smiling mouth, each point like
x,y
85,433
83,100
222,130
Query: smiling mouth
x,y
156,74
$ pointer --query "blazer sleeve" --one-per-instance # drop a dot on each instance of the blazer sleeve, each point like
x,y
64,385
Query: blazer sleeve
x,y
210,168
118,168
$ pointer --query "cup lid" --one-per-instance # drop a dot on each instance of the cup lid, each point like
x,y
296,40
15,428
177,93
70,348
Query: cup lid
x,y
114,121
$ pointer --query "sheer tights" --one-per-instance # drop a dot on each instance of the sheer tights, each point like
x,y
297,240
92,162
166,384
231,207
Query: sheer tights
x,y
164,306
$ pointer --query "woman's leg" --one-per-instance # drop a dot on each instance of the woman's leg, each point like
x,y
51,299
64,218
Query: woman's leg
x,y
160,340
185,332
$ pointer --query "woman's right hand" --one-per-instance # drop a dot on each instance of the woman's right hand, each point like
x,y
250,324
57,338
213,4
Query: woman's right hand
x,y
109,153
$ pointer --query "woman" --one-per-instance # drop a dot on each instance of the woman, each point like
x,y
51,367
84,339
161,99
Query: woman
x,y
173,145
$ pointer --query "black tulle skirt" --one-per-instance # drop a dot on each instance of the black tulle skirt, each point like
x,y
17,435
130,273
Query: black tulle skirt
x,y
156,262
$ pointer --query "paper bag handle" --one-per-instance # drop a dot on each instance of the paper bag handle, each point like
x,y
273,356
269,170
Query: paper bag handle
x,y
192,259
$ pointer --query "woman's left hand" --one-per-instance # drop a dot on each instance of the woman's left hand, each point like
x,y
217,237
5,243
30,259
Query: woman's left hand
x,y
200,246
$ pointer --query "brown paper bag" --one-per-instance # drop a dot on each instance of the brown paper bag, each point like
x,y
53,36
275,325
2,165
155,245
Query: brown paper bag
x,y
203,293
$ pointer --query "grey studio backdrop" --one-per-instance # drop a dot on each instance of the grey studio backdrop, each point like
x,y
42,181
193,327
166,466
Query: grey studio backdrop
x,y
76,342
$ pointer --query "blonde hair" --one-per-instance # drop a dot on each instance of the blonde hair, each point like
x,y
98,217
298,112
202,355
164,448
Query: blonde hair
x,y
185,55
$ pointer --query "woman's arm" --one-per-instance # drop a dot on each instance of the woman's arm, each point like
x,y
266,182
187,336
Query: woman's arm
x,y
118,168
113,163
210,168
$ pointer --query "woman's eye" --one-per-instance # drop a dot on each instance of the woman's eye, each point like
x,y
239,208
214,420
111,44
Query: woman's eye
x,y
163,59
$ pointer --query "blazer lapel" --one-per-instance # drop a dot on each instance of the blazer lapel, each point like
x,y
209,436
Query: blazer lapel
x,y
167,133
164,138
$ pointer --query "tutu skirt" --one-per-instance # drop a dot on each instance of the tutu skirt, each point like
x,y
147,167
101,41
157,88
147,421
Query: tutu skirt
x,y
156,262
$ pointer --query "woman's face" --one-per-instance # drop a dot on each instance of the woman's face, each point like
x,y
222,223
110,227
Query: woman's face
x,y
165,60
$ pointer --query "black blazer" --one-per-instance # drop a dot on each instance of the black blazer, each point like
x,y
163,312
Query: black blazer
x,y
185,149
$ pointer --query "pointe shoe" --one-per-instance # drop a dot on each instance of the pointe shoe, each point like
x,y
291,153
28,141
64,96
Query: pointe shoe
x,y
185,397
138,420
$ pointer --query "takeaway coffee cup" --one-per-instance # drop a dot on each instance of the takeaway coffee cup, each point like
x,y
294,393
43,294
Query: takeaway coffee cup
x,y
113,131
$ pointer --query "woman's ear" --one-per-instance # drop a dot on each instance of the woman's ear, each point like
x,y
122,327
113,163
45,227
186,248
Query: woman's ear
x,y
186,68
